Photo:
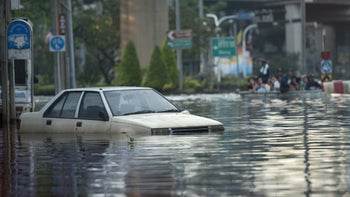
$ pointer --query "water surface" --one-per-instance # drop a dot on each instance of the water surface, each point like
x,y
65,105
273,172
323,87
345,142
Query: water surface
x,y
272,146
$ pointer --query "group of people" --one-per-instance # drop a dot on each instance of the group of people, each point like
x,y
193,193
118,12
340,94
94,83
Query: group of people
x,y
281,82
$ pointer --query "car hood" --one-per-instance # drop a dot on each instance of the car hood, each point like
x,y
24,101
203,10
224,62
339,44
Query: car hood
x,y
166,120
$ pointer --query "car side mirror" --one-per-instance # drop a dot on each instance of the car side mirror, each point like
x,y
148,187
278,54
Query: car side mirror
x,y
103,115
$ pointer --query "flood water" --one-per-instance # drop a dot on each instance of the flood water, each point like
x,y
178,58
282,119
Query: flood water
x,y
279,146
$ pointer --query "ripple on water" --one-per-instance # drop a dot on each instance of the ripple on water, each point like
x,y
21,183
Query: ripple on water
x,y
271,147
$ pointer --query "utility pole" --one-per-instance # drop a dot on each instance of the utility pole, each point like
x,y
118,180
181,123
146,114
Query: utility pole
x,y
303,36
5,18
202,59
71,44
57,61
179,51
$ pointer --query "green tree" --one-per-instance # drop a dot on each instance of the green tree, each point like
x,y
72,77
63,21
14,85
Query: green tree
x,y
98,29
95,25
129,72
157,73
170,63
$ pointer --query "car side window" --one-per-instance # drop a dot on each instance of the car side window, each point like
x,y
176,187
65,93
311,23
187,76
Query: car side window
x,y
70,105
92,107
64,106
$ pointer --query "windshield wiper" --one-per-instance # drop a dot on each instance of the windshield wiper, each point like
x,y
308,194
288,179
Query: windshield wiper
x,y
170,110
140,112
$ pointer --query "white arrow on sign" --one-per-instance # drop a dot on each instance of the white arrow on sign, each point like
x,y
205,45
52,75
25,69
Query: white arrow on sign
x,y
171,35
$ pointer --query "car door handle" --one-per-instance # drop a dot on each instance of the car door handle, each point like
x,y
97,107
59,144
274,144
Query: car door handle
x,y
48,122
79,124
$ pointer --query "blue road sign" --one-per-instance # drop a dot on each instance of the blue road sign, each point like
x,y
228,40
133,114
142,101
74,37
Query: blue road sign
x,y
19,36
326,66
244,15
57,43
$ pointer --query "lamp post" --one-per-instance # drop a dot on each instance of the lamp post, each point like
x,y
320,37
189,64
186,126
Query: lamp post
x,y
238,16
217,21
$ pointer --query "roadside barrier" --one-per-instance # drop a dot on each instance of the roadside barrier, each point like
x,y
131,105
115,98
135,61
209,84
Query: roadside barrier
x,y
339,87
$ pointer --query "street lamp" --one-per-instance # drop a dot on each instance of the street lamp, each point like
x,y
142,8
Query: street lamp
x,y
238,16
217,21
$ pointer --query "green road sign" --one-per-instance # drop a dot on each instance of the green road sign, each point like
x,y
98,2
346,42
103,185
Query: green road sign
x,y
223,47
179,43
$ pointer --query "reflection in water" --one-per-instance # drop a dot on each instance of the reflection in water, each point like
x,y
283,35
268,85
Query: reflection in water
x,y
295,146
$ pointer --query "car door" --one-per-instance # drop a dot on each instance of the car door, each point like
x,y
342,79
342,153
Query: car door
x,y
60,116
92,115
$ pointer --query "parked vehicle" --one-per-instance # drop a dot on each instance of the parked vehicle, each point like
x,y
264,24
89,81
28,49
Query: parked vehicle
x,y
139,110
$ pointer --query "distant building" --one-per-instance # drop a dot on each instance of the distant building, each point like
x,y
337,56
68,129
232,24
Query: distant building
x,y
325,25
145,22
326,28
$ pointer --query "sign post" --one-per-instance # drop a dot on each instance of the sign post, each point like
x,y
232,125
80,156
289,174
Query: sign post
x,y
57,43
223,47
326,67
19,39
180,39
19,46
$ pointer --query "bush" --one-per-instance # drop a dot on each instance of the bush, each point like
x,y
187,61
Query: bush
x,y
157,74
44,90
129,71
193,86
170,63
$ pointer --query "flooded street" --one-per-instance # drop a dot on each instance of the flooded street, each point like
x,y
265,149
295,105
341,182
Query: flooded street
x,y
272,146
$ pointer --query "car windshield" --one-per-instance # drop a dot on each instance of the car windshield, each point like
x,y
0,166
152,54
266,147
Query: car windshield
x,y
138,101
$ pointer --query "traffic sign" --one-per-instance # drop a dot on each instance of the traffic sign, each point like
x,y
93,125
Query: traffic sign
x,y
223,47
61,24
179,39
244,15
326,66
180,34
57,43
179,44
19,39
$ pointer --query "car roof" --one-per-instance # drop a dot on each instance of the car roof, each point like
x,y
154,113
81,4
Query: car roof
x,y
108,88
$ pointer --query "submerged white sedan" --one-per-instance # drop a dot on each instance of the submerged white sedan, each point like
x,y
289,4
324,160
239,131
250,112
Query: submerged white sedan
x,y
135,110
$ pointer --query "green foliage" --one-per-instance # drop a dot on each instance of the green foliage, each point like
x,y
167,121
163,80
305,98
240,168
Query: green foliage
x,y
90,76
98,29
129,71
44,90
157,73
193,86
170,63
229,83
